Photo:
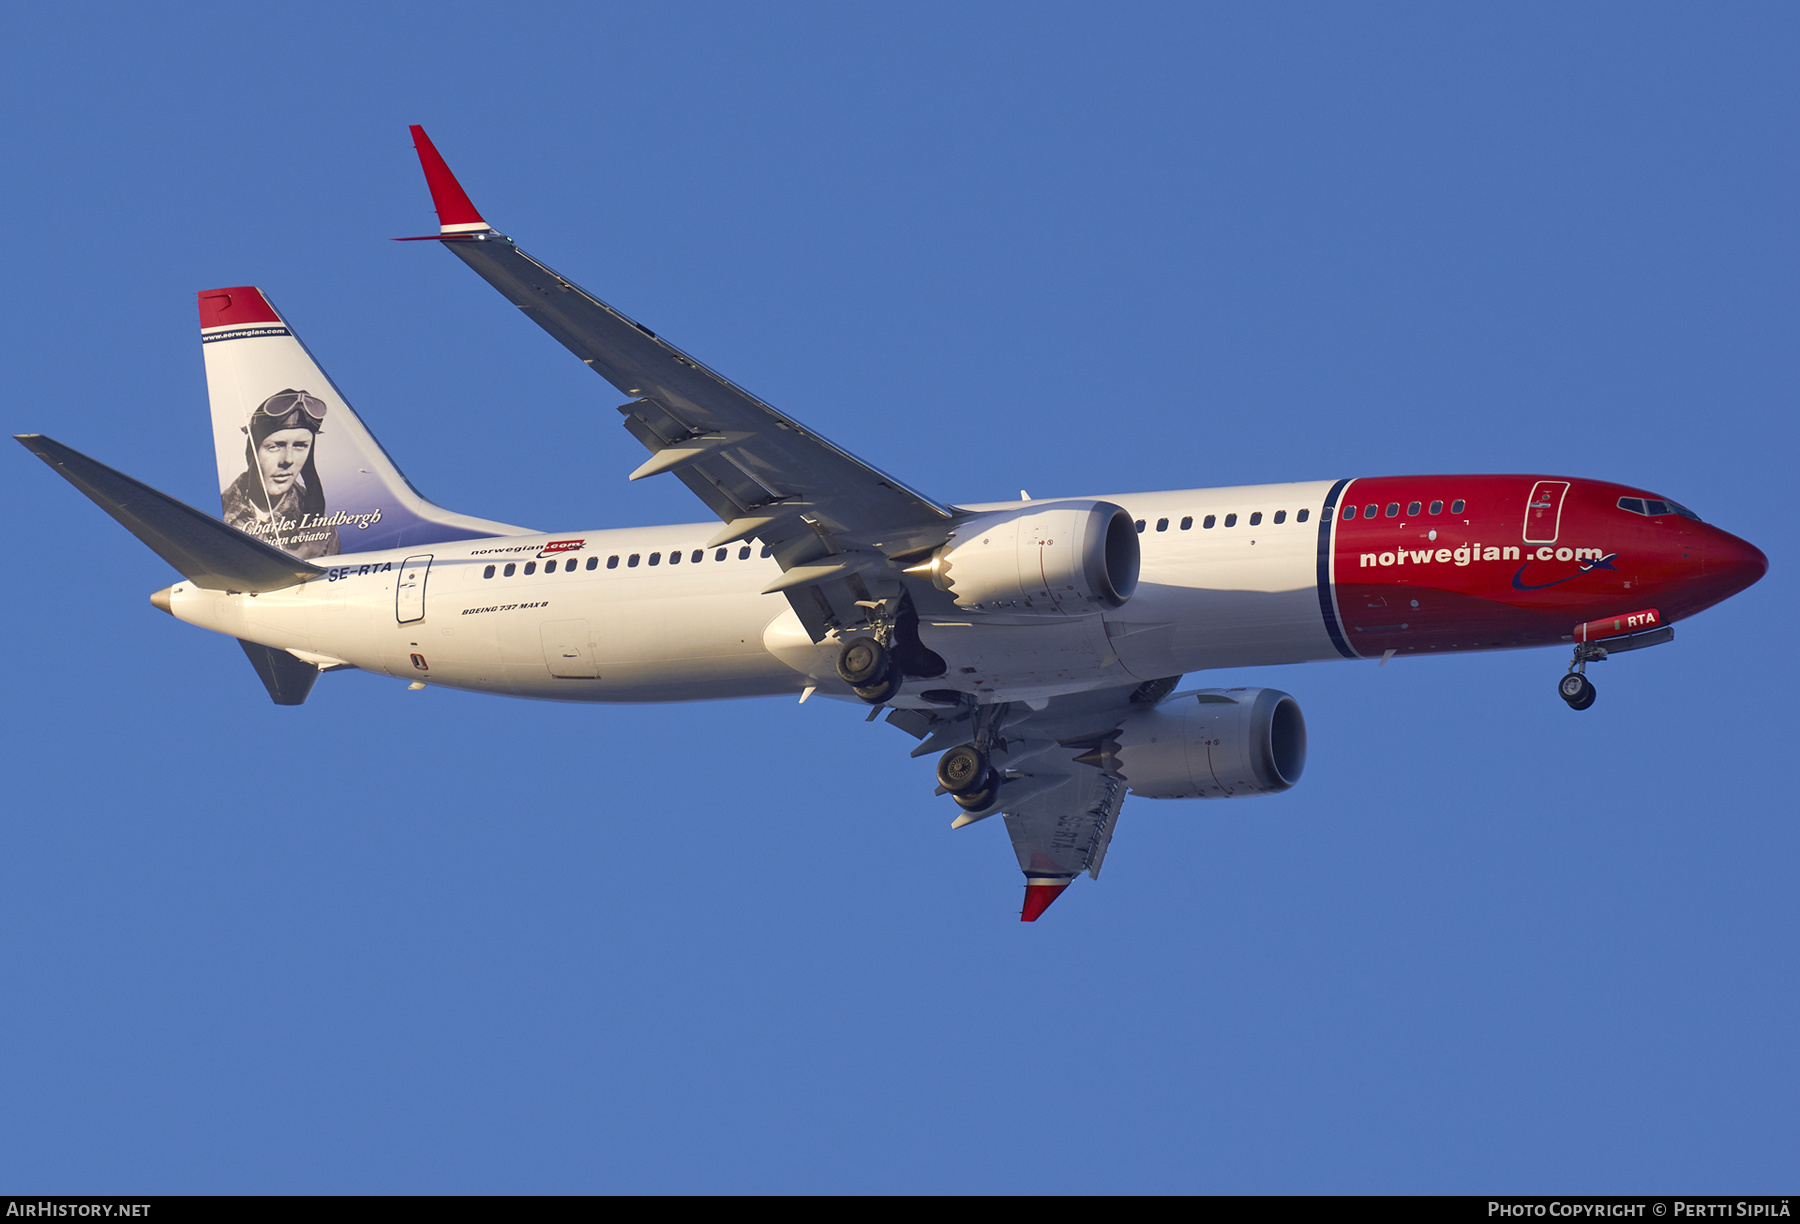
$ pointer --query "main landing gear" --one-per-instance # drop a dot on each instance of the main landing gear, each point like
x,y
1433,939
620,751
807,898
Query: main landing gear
x,y
868,668
878,660
969,776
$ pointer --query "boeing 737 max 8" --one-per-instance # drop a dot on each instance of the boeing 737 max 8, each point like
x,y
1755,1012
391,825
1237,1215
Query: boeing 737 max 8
x,y
1036,645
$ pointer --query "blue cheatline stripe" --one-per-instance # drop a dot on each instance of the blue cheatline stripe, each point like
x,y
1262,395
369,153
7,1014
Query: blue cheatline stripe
x,y
1327,605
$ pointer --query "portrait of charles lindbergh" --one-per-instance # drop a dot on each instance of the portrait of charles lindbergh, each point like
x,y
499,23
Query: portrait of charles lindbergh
x,y
279,492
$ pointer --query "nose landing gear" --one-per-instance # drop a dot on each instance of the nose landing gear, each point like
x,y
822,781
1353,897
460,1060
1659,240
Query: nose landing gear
x,y
1575,688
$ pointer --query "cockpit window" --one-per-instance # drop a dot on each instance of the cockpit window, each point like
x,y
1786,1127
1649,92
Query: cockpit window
x,y
1654,507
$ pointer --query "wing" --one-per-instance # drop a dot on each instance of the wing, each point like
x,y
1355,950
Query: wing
x,y
831,520
1060,803
1062,831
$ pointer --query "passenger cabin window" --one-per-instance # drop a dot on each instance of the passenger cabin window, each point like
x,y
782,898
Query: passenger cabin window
x,y
612,562
655,558
1209,522
1140,526
1393,510
631,561
1162,524
1349,512
549,567
1437,507
1256,518
1281,516
1231,520
1301,517
675,557
531,567
744,553
1456,507
720,555
594,562
698,557
1187,523
1412,510
1371,511
767,551
488,572
510,567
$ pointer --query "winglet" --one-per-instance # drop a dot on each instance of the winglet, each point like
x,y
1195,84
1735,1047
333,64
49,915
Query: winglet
x,y
456,215
1040,891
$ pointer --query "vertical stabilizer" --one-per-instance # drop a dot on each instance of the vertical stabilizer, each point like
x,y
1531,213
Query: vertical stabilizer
x,y
297,468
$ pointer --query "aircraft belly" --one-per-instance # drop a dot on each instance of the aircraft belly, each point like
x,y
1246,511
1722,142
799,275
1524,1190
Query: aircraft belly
x,y
582,644
1023,658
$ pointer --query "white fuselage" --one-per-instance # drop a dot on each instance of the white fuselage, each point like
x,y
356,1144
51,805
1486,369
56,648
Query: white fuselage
x,y
663,630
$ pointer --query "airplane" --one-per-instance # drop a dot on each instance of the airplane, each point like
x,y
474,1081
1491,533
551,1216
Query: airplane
x,y
1036,646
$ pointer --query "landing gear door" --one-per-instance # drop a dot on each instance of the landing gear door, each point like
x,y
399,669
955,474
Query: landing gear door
x,y
409,592
1543,511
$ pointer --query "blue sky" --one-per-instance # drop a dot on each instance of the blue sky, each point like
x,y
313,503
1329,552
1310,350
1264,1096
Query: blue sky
x,y
399,941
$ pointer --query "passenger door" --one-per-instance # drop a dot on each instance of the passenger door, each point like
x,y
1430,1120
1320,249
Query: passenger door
x,y
1543,511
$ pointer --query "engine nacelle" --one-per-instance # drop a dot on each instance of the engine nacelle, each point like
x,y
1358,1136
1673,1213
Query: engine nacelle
x,y
1060,559
1211,744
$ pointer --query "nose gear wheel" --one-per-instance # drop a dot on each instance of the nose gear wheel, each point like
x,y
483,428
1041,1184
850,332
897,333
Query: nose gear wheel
x,y
1577,690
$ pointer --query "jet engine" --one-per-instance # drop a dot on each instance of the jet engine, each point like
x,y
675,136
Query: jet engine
x,y
1211,744
1060,559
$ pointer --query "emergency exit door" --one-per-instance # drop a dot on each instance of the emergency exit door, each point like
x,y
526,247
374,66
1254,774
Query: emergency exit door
x,y
409,592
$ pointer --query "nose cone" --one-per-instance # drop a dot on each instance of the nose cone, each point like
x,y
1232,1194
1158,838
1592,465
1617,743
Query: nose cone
x,y
1732,564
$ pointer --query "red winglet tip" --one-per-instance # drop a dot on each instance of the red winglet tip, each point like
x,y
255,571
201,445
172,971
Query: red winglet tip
x,y
1038,897
447,196
234,306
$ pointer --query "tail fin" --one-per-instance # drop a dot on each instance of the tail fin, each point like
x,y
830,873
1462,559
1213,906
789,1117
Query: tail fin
x,y
297,469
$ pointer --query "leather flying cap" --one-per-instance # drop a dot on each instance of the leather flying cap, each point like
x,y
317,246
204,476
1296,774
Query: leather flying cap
x,y
289,409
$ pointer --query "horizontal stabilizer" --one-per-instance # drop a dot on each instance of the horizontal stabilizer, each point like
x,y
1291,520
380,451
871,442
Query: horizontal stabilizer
x,y
205,551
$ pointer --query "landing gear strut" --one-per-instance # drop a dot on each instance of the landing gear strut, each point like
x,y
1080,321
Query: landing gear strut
x,y
1575,688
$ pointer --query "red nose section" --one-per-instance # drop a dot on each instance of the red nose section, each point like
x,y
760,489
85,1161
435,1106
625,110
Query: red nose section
x,y
1732,564
1038,896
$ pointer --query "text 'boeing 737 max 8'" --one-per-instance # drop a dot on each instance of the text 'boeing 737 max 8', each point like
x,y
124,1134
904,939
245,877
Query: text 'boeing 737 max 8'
x,y
1036,645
